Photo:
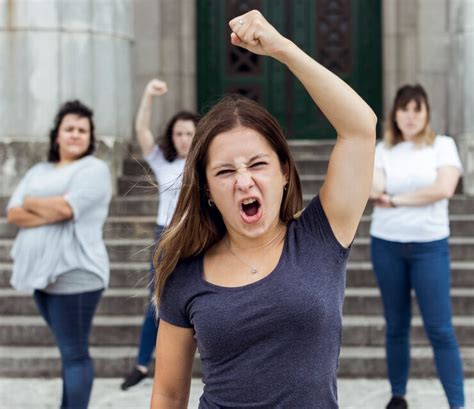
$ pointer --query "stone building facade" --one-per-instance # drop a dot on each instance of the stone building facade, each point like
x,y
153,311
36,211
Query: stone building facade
x,y
104,52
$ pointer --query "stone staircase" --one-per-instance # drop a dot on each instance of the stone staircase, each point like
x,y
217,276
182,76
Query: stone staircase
x,y
27,348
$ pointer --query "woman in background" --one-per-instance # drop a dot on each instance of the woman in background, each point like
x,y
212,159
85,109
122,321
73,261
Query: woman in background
x,y
60,207
166,160
416,172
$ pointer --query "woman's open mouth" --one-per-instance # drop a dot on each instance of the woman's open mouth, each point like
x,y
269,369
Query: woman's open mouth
x,y
251,210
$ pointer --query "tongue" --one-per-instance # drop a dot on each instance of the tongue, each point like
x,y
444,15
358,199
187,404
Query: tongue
x,y
250,209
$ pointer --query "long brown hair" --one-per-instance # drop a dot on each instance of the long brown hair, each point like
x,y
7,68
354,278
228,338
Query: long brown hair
x,y
196,226
406,94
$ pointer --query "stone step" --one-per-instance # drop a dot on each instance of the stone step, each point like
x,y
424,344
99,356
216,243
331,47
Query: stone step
x,y
462,249
146,204
122,275
358,301
360,362
125,331
143,227
359,274
134,250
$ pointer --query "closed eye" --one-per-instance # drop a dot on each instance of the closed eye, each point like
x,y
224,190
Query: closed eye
x,y
258,164
224,172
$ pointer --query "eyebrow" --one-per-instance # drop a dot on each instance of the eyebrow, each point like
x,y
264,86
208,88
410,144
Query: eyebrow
x,y
253,158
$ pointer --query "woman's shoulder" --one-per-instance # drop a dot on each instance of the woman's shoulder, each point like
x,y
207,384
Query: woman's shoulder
x,y
92,162
442,140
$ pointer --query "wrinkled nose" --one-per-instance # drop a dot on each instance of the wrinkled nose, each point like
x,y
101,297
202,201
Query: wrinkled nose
x,y
244,179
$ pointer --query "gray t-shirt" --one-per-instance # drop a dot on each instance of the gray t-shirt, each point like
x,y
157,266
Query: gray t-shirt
x,y
42,254
273,343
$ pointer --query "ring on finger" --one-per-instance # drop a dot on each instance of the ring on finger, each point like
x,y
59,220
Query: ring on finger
x,y
240,21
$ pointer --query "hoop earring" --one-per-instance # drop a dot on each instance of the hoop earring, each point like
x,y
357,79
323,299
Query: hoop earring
x,y
210,203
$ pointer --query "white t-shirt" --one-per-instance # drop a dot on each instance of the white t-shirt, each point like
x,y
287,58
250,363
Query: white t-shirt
x,y
169,176
409,168
44,253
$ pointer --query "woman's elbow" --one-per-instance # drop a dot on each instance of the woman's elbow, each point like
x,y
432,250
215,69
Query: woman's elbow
x,y
448,192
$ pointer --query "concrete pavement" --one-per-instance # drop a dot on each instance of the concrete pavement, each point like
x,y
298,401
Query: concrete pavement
x,y
353,394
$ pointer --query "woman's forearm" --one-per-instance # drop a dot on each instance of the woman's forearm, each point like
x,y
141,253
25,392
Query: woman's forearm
x,y
421,197
143,123
348,113
443,188
53,209
23,218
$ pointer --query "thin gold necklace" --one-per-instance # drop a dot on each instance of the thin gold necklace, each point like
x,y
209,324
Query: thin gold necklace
x,y
253,269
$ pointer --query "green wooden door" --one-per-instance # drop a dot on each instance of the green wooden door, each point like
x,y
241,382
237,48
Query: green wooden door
x,y
343,35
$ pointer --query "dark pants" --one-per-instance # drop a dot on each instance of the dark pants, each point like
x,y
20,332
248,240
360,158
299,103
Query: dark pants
x,y
423,267
149,331
70,318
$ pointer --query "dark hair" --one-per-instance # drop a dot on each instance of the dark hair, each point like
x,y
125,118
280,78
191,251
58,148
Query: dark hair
x,y
75,107
166,141
404,96
196,226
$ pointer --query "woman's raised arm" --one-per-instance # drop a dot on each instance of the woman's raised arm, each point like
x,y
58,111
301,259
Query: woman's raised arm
x,y
143,120
349,178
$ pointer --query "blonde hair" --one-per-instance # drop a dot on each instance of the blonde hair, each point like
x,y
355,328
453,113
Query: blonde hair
x,y
196,226
404,96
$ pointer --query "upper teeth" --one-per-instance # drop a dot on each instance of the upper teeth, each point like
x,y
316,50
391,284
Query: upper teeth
x,y
248,201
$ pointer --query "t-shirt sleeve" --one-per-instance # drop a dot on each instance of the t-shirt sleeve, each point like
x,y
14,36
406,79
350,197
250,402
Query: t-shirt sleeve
x,y
379,156
447,153
314,220
90,187
155,158
172,305
18,196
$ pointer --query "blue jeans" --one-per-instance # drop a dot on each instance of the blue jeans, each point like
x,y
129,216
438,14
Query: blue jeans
x,y
423,267
70,318
149,330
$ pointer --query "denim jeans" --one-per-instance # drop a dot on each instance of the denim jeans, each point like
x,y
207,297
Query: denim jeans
x,y
425,268
146,347
70,318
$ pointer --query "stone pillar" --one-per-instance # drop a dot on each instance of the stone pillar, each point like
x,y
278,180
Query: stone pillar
x,y
53,51
461,78
416,41
165,32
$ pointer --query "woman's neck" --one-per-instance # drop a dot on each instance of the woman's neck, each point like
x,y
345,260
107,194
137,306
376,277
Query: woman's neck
x,y
255,244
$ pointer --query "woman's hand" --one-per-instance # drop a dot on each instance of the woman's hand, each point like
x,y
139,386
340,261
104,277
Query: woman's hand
x,y
156,88
383,200
254,33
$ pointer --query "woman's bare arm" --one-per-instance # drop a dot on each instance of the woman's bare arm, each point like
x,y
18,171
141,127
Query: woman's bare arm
x,y
175,349
446,181
143,120
349,177
23,218
53,209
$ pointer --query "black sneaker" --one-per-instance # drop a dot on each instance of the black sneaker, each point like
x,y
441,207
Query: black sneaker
x,y
133,378
397,402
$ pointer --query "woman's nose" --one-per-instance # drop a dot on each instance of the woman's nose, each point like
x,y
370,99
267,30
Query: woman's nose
x,y
243,179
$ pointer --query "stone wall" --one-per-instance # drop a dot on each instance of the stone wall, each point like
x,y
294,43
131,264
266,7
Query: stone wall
x,y
166,48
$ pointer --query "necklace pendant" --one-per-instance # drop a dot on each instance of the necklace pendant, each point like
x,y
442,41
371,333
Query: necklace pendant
x,y
253,270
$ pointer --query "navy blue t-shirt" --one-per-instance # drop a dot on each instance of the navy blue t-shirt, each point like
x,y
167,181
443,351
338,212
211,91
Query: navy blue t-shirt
x,y
273,343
